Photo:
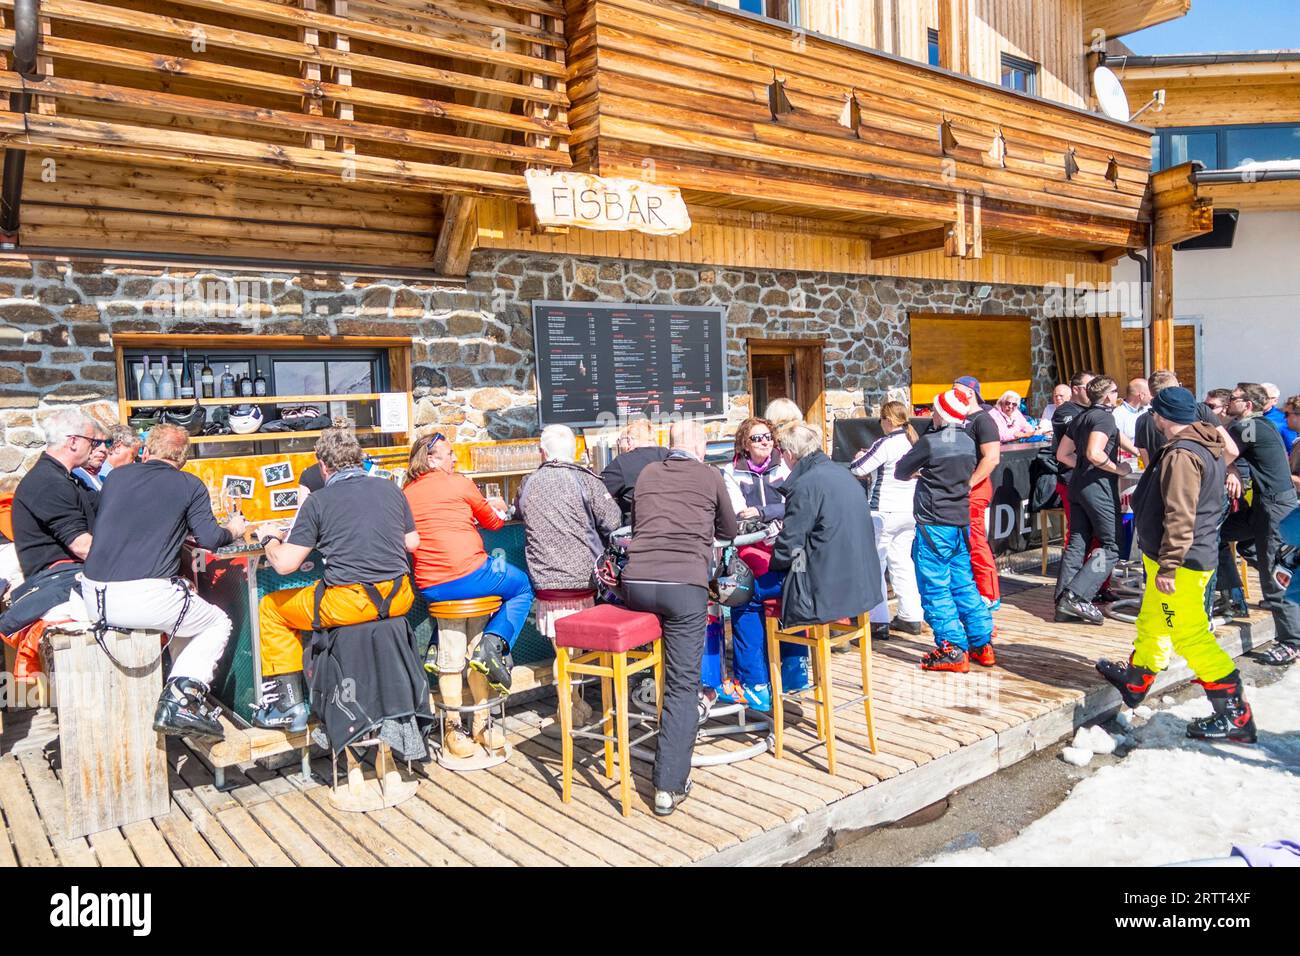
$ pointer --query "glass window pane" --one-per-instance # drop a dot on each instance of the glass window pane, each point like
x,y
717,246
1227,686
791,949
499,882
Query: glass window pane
x,y
1186,147
350,378
299,378
1261,145
752,6
1155,153
932,47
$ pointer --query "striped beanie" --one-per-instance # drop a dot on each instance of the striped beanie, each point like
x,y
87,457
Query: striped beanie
x,y
955,404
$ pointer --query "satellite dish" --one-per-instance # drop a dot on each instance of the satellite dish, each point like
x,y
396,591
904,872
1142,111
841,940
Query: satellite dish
x,y
1110,94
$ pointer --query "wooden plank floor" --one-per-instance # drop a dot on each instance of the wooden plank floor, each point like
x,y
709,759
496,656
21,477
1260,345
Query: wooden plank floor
x,y
935,732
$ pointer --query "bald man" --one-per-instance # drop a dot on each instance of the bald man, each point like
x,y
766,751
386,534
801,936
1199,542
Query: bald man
x,y
1136,402
680,505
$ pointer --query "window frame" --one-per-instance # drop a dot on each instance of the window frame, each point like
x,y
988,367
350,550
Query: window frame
x,y
1020,64
1221,140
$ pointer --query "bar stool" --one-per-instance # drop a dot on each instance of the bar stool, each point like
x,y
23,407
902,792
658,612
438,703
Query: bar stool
x,y
820,638
1045,530
606,639
462,622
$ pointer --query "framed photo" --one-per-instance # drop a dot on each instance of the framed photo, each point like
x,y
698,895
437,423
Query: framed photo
x,y
284,500
280,473
237,486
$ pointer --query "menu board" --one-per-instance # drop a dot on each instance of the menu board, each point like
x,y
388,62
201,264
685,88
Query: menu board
x,y
600,362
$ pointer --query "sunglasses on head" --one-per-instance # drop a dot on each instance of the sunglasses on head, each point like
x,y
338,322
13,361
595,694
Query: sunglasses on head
x,y
434,439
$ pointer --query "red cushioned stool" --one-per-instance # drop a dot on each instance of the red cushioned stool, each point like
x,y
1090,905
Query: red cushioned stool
x,y
611,643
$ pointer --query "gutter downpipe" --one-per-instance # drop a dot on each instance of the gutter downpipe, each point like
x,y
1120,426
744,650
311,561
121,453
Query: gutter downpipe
x,y
26,40
1149,306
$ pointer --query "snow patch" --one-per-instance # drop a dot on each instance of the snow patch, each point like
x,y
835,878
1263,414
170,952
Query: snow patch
x,y
1077,756
1172,799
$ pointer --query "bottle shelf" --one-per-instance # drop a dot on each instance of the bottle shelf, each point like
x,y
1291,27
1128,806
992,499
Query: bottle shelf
x,y
269,436
252,400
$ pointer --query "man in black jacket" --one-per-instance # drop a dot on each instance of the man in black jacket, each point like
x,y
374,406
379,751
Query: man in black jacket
x,y
827,544
636,449
132,576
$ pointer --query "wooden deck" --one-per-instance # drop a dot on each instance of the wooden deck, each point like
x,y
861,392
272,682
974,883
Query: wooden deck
x,y
937,733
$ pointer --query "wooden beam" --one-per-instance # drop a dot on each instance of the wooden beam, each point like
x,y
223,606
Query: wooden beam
x,y
1162,318
311,72
909,243
1184,222
457,237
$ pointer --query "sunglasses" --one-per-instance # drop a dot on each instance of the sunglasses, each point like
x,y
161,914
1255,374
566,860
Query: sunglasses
x,y
762,438
94,442
434,439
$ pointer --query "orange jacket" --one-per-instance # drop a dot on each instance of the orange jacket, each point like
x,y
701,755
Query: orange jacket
x,y
448,510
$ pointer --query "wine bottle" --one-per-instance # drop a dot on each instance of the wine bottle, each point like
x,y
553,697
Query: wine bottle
x,y
187,375
148,385
259,383
168,385
227,384
206,378
245,386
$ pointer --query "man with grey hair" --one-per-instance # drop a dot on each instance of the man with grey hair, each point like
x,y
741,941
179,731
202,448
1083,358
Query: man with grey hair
x,y
53,514
1277,416
568,516
123,448
680,505
133,574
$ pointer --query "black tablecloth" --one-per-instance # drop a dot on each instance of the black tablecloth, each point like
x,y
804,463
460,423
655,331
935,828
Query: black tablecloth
x,y
1010,522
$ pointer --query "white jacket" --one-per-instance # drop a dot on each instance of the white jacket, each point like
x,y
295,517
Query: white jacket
x,y
887,492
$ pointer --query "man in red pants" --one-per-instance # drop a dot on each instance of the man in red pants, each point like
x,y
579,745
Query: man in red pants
x,y
984,431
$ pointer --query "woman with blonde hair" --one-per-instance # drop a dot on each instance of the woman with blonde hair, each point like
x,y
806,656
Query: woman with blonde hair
x,y
753,478
891,513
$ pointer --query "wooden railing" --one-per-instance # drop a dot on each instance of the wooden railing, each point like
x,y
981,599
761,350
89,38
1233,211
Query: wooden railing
x,y
455,96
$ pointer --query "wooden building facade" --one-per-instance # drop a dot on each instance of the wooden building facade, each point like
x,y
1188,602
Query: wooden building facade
x,y
335,168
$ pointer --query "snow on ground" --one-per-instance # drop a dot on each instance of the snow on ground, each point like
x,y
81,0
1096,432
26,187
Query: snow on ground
x,y
1172,799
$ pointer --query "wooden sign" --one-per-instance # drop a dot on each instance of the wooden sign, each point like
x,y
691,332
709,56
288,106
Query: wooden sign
x,y
609,205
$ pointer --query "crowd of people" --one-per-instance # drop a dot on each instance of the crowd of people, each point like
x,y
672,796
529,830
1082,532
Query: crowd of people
x,y
93,526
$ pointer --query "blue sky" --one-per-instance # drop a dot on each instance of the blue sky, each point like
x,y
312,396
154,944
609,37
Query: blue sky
x,y
1215,26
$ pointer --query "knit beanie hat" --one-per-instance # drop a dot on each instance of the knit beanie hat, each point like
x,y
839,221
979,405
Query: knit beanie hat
x,y
1176,404
955,404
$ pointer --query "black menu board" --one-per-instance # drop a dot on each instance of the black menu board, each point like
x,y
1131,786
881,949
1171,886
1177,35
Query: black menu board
x,y
600,362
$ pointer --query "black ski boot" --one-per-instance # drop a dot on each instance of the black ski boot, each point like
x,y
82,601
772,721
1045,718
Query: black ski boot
x,y
284,704
1232,720
183,711
491,659
1132,682
1071,607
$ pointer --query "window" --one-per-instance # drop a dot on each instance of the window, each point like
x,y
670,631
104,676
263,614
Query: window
x,y
784,10
932,47
1019,75
1226,147
1260,144
296,373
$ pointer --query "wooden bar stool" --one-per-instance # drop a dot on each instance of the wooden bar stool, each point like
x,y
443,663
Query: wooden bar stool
x,y
606,640
460,625
1045,530
820,638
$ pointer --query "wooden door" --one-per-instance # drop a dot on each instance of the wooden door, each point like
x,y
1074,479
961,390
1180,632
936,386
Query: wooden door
x,y
789,368
1185,336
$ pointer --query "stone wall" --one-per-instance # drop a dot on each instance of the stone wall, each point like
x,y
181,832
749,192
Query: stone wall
x,y
472,342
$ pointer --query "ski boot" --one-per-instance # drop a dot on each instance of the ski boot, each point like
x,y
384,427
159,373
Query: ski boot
x,y
946,657
284,704
983,655
1232,720
456,742
490,658
1132,682
183,711
1071,607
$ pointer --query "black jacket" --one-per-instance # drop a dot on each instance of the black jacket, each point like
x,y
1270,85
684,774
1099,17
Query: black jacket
x,y
621,474
363,675
945,459
827,545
